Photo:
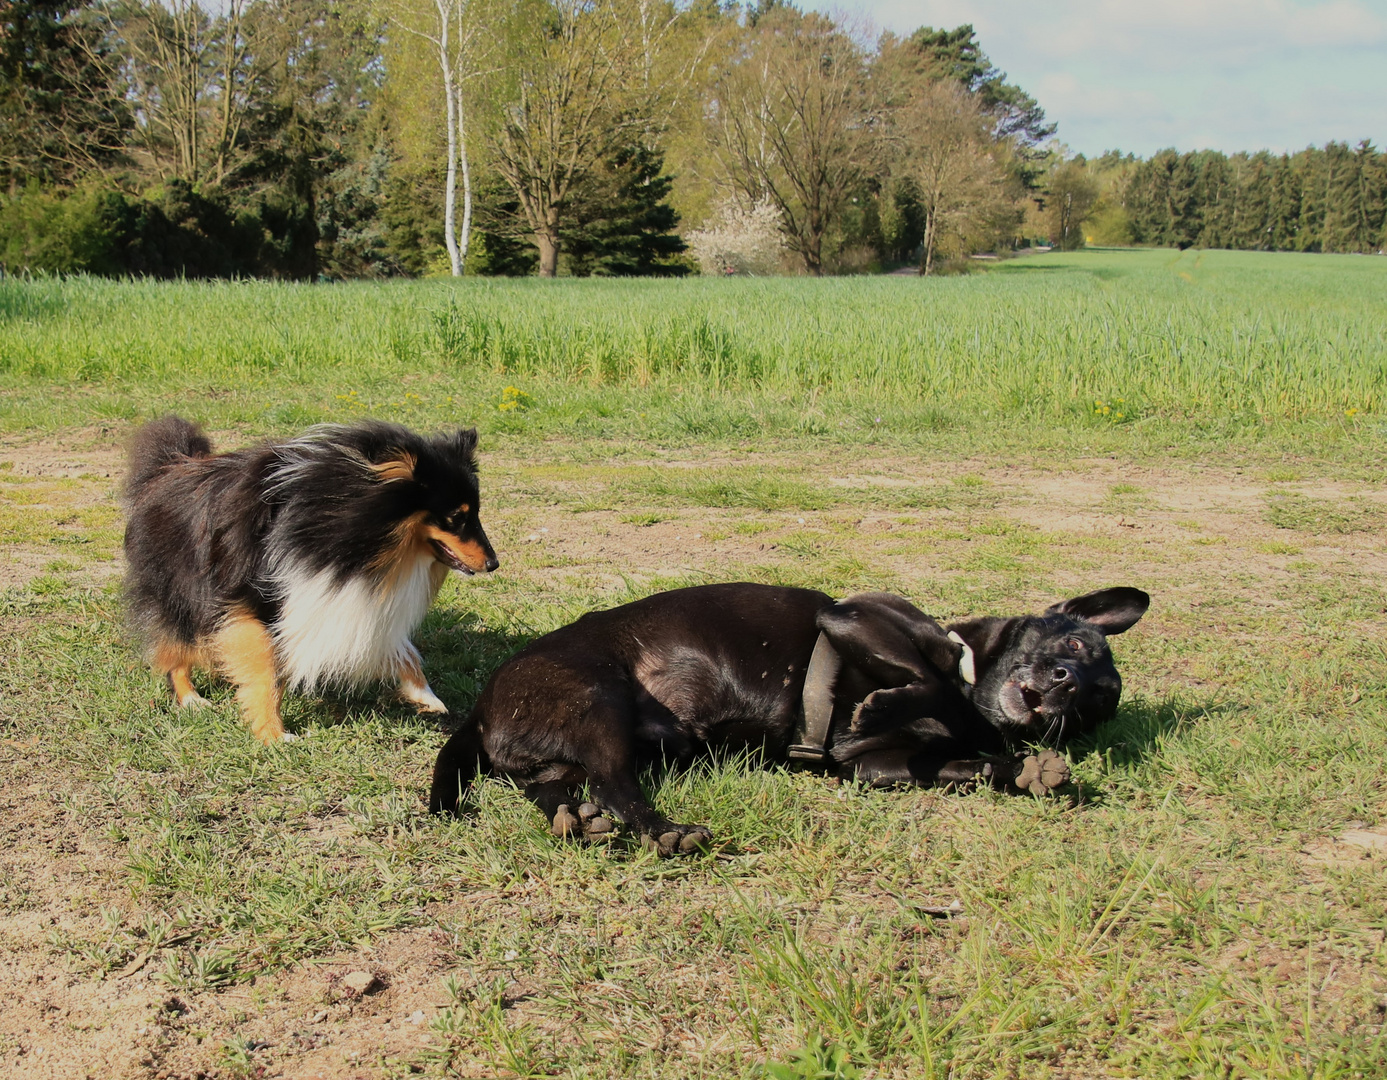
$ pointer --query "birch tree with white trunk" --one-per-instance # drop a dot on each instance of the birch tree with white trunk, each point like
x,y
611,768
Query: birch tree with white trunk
x,y
460,46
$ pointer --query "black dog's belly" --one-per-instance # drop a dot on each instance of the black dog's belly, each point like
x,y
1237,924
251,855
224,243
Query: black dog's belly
x,y
717,699
662,737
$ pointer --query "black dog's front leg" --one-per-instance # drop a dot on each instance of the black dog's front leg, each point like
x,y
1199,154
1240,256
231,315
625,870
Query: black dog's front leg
x,y
1037,773
889,639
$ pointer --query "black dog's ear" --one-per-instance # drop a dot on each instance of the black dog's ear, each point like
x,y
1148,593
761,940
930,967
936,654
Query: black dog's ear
x,y
1111,610
987,637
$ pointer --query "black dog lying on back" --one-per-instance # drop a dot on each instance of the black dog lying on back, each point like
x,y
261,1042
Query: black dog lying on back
x,y
869,687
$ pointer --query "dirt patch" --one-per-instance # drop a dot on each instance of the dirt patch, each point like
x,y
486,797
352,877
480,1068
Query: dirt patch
x,y
97,452
1356,843
60,1022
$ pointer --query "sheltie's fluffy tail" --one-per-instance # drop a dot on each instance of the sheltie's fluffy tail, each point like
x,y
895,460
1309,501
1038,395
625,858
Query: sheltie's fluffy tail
x,y
158,445
461,759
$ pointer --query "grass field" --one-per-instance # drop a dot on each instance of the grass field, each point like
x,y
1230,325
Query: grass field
x,y
176,901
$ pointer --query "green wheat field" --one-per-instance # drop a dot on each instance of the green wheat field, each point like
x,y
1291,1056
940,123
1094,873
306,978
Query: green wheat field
x,y
1210,900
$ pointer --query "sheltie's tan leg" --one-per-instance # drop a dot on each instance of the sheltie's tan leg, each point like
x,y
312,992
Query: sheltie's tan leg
x,y
175,662
246,653
414,688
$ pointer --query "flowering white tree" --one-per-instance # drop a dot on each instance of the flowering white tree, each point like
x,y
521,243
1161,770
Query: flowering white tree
x,y
740,240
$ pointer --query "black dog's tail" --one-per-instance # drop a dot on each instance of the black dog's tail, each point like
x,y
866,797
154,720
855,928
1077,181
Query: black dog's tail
x,y
158,445
461,758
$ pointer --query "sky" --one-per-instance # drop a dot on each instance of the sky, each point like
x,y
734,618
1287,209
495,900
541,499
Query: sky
x,y
1140,75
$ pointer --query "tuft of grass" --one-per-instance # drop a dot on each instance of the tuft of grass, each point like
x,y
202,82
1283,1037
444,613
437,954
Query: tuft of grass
x,y
733,488
644,520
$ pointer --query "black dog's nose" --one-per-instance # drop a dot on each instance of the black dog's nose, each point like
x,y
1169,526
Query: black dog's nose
x,y
492,563
1062,678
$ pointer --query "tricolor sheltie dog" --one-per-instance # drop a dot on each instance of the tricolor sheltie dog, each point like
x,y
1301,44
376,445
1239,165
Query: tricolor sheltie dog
x,y
297,564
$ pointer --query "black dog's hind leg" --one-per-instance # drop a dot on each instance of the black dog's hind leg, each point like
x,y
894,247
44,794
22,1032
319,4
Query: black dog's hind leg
x,y
461,758
1037,773
610,763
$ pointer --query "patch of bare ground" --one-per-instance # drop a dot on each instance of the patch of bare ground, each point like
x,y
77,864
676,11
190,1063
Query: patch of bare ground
x,y
338,1016
55,874
49,491
89,452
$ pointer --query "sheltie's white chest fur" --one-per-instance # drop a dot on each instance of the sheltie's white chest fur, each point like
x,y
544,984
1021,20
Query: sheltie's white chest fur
x,y
349,632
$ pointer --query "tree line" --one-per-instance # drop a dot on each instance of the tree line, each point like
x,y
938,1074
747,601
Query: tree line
x,y
1332,198
312,139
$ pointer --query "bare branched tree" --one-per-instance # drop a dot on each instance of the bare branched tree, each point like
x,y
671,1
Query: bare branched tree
x,y
62,111
1072,195
941,141
588,77
234,77
191,76
792,120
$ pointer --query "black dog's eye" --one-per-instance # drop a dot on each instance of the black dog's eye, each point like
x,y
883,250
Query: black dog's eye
x,y
1075,645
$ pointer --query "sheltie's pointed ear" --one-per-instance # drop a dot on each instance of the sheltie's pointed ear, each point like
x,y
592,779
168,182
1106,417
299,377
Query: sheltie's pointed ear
x,y
464,443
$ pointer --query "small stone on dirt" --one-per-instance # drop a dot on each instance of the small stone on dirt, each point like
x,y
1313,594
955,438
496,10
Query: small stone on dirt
x,y
359,982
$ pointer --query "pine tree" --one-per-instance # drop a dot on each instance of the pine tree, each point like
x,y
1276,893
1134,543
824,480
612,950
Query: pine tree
x,y
1182,208
1252,219
1212,200
957,54
1148,202
1357,199
620,223
1283,219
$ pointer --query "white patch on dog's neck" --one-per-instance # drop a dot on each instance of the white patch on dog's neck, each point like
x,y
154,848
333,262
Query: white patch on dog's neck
x,y
967,670
349,632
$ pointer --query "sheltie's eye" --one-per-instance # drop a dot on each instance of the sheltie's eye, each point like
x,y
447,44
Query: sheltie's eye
x,y
459,518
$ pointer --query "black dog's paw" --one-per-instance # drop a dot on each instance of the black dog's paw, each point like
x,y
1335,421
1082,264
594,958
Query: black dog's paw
x,y
896,706
566,824
1042,773
678,840
589,823
596,825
